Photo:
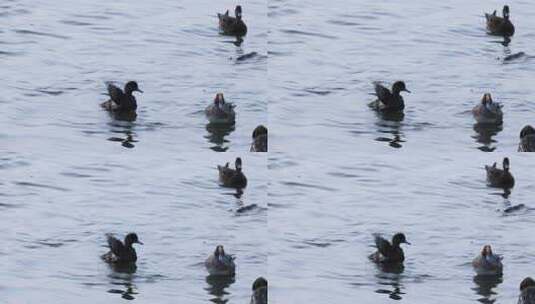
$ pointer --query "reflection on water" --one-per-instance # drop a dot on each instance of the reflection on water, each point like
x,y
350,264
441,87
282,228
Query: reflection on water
x,y
390,275
484,287
126,142
216,135
122,275
216,287
390,123
484,135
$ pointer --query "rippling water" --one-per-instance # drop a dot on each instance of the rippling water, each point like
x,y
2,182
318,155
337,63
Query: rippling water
x,y
67,176
327,209
325,56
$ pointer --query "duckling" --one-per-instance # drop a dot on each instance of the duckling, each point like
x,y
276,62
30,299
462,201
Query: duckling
x,y
232,178
527,139
488,263
527,291
120,253
500,178
389,253
260,291
220,112
260,139
500,26
488,112
220,264
233,26
119,101
389,101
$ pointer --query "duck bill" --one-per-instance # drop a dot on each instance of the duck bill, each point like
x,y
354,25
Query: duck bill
x,y
140,242
407,243
140,91
407,92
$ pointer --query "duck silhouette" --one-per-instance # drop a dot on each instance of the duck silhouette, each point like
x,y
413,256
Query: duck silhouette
x,y
389,253
119,252
500,26
233,26
389,101
527,139
500,178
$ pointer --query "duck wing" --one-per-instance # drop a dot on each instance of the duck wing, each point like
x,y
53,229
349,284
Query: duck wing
x,y
383,246
383,94
116,94
116,246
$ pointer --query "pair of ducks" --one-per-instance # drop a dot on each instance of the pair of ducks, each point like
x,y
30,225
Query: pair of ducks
x,y
124,104
221,112
217,264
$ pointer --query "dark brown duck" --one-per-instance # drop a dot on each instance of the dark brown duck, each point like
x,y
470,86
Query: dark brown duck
x,y
233,178
527,291
119,252
389,252
122,101
260,139
500,178
500,26
389,101
527,139
233,26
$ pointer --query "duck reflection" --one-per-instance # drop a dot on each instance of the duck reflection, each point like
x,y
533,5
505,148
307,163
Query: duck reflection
x,y
484,287
390,123
390,275
127,142
484,135
121,276
216,287
216,135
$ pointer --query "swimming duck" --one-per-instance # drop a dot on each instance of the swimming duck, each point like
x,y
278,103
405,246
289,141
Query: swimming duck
x,y
488,263
527,291
219,263
527,139
233,26
500,178
488,112
260,139
389,101
389,253
119,101
120,253
220,112
232,178
500,26
260,291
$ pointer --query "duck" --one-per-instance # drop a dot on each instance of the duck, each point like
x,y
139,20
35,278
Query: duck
x,y
488,111
389,253
119,252
233,178
220,112
527,139
233,26
527,291
488,263
121,101
220,264
500,26
260,139
260,291
500,178
389,101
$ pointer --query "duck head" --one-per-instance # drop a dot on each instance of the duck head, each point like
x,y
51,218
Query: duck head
x,y
506,11
237,11
527,282
260,283
399,238
260,130
486,251
219,252
130,87
399,86
238,164
219,99
527,130
486,99
506,164
130,239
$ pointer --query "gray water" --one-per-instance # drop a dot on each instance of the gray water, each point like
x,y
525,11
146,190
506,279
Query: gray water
x,y
66,179
336,173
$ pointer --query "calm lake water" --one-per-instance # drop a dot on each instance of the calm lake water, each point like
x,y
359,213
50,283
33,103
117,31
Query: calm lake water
x,y
335,174
66,179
